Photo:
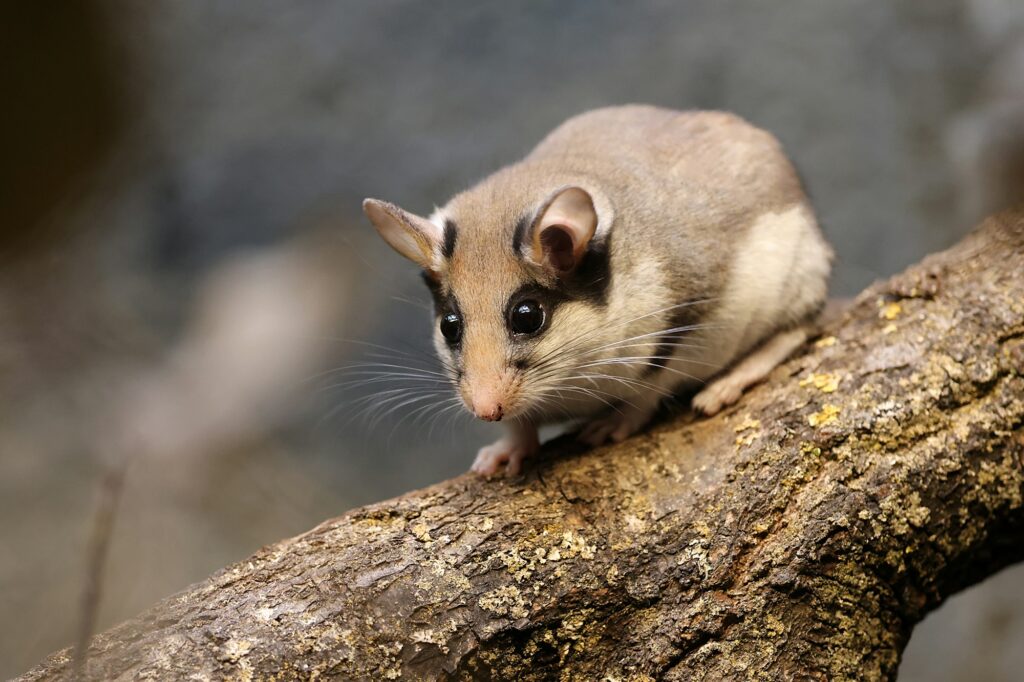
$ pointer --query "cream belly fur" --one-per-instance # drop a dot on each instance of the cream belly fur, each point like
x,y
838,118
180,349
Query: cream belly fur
x,y
637,251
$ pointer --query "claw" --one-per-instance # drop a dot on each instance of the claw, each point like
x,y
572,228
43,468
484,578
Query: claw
x,y
511,451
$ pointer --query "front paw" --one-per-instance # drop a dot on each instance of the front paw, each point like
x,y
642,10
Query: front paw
x,y
490,457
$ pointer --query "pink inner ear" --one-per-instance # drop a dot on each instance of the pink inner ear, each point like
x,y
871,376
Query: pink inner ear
x,y
556,241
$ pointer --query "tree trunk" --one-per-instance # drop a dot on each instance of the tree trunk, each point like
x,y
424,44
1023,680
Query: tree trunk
x,y
799,535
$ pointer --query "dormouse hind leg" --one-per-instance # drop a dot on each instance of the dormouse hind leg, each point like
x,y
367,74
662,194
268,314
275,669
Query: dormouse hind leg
x,y
520,442
726,390
623,421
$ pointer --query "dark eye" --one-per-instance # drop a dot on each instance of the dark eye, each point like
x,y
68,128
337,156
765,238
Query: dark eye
x,y
526,317
451,328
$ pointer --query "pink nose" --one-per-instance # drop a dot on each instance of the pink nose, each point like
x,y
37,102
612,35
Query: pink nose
x,y
488,410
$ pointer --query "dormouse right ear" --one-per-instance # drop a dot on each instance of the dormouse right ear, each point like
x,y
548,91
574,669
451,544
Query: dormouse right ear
x,y
562,230
416,238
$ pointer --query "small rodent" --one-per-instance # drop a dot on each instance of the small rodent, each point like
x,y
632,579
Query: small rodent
x,y
635,251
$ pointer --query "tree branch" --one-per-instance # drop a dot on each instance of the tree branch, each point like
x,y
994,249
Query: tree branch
x,y
801,534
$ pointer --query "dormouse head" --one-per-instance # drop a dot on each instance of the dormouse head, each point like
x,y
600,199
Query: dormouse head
x,y
516,282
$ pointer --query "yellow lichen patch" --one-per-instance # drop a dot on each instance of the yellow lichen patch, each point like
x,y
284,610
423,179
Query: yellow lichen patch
x,y
889,328
234,649
264,613
537,549
748,424
518,566
505,601
774,626
573,623
577,545
487,525
889,311
697,554
390,652
918,516
824,382
827,415
634,524
746,439
612,575
825,342
422,532
437,636
453,577
810,449
702,526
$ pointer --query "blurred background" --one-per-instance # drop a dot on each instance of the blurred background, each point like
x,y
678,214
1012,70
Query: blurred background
x,y
183,260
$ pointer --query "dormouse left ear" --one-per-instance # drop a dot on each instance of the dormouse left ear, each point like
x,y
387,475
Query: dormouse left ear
x,y
414,237
562,230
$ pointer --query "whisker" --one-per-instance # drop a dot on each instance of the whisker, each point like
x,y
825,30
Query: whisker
x,y
629,359
636,385
370,410
375,421
404,379
383,397
592,392
659,333
580,338
356,368
371,366
435,419
644,362
423,305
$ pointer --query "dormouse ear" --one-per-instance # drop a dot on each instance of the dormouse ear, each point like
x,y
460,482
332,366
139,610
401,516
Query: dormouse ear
x,y
416,238
562,230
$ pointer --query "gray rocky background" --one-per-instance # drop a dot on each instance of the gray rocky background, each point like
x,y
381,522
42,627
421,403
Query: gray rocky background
x,y
183,260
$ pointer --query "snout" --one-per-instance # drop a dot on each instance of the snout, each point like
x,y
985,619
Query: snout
x,y
487,407
489,383
488,396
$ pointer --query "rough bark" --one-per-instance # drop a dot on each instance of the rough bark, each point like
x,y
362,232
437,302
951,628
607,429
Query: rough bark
x,y
799,535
